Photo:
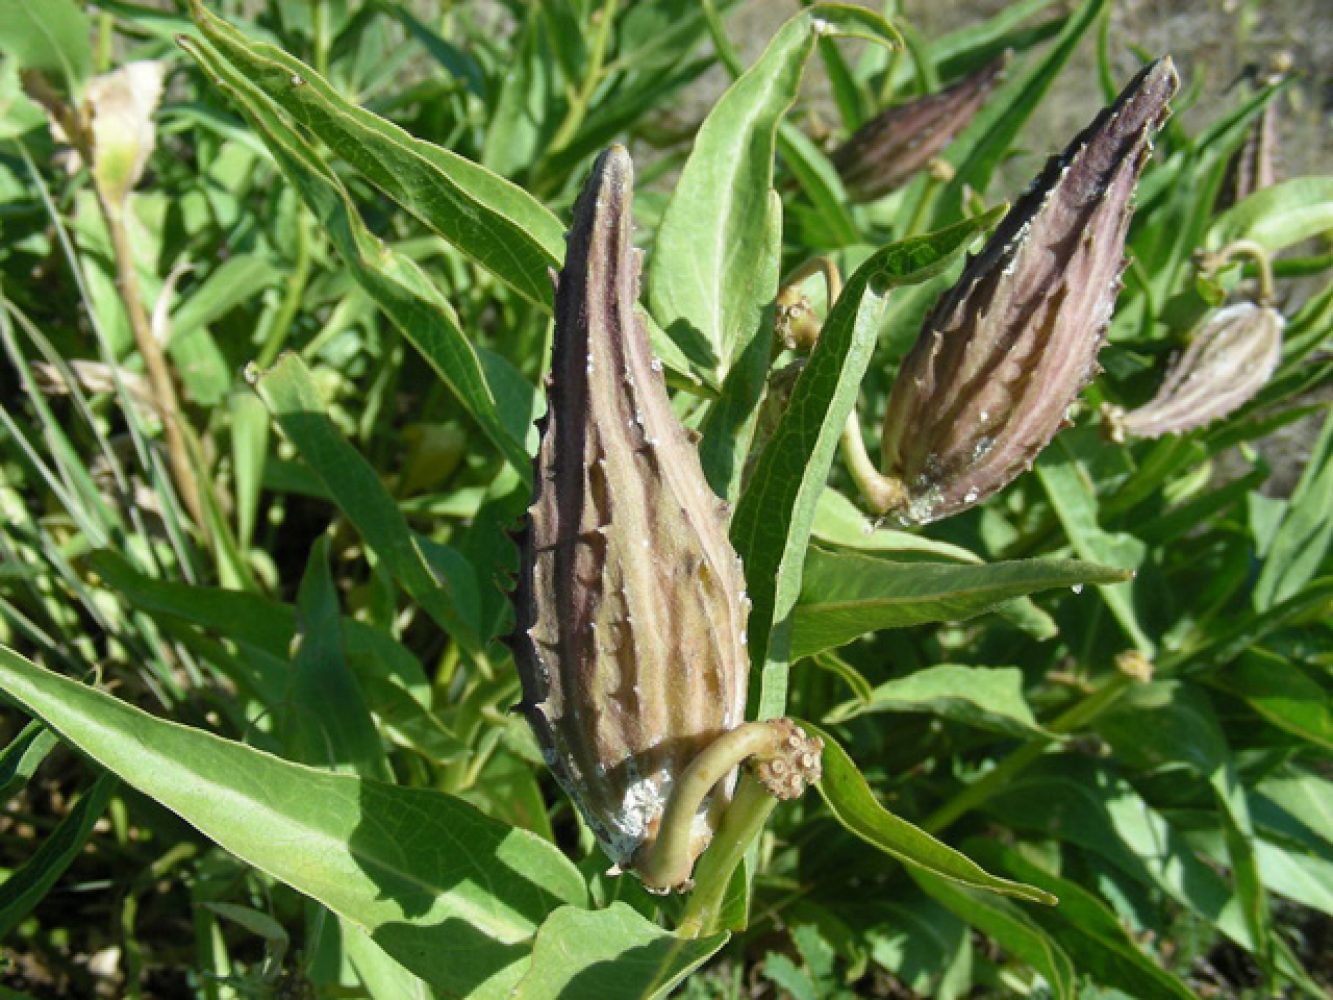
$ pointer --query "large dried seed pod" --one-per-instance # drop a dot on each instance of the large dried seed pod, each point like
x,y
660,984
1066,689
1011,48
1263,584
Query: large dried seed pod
x,y
1007,350
886,151
1229,359
631,604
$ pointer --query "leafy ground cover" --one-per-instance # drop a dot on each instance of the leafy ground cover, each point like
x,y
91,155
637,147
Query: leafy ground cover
x,y
275,313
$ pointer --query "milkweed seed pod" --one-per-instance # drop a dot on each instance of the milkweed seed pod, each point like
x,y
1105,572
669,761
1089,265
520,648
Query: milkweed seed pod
x,y
630,604
1006,351
1254,165
1227,362
886,151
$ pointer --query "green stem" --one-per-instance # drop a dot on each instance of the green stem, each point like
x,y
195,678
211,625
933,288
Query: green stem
x,y
742,822
291,300
721,43
882,493
581,98
319,27
1215,261
1075,717
671,856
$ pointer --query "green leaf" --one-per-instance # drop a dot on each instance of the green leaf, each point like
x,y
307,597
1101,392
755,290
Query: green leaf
x,y
249,619
711,276
394,281
771,527
1277,217
290,393
1281,692
519,126
451,894
844,595
1083,803
1010,928
613,952
327,724
23,756
839,522
1087,929
854,805
51,36
1075,501
234,282
490,220
28,885
728,428
1303,539
988,697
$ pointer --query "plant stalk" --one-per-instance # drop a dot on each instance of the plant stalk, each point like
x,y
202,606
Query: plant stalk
x,y
741,824
155,363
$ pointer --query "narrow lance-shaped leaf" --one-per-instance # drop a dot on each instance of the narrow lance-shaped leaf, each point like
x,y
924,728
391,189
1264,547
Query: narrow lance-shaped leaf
x,y
396,283
846,595
1010,346
631,602
854,805
771,527
710,277
450,893
292,396
495,223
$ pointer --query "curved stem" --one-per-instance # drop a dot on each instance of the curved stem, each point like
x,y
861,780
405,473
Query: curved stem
x,y
670,857
742,822
1216,260
882,493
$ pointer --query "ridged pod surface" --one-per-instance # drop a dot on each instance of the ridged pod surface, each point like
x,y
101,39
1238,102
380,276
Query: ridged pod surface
x,y
1006,350
886,151
1227,361
1254,166
631,604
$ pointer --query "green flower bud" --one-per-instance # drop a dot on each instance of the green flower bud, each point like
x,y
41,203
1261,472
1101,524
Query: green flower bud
x,y
1007,350
886,151
631,604
1228,360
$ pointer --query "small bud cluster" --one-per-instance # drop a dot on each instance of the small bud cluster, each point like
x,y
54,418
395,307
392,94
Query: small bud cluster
x,y
793,765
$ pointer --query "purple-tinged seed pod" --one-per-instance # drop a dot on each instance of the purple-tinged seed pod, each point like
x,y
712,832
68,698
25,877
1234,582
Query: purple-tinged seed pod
x,y
630,604
1254,165
886,151
1229,359
1006,351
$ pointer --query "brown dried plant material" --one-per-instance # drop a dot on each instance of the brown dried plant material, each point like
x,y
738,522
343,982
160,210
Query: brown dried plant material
x,y
1007,350
886,151
631,604
1229,359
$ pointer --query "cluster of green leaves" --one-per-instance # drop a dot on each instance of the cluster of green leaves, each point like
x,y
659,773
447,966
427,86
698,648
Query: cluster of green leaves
x,y
314,679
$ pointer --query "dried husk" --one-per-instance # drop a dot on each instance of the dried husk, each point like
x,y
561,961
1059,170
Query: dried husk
x,y
1007,350
886,151
1229,359
631,604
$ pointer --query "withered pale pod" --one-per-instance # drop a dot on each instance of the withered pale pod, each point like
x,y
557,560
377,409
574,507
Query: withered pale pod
x,y
631,606
1228,360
